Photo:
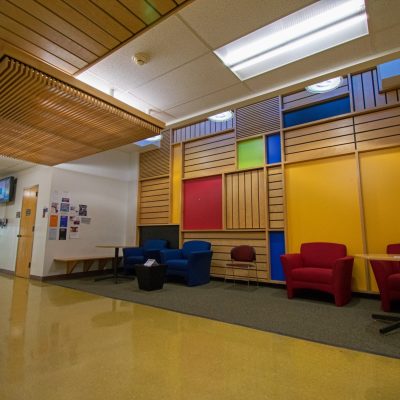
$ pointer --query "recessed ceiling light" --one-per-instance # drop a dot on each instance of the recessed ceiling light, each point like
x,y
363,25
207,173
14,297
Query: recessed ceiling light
x,y
221,117
315,28
325,86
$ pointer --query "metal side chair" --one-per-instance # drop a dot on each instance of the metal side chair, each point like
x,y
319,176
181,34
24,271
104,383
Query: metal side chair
x,y
243,258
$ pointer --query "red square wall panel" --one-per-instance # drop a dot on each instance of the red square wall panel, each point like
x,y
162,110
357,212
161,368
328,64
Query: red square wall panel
x,y
202,203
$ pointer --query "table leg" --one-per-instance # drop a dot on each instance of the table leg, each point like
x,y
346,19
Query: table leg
x,y
114,275
115,264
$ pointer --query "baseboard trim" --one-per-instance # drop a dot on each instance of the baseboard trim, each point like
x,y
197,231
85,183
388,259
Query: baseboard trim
x,y
7,272
76,275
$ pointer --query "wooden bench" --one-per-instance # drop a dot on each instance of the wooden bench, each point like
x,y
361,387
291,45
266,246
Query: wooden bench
x,y
88,261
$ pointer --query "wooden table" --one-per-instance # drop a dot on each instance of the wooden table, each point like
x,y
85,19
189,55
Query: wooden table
x,y
380,257
72,262
116,248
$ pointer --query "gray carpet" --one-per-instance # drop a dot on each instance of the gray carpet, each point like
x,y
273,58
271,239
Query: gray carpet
x,y
263,308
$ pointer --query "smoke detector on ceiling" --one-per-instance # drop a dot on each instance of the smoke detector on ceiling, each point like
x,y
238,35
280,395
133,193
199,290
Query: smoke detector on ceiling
x,y
140,58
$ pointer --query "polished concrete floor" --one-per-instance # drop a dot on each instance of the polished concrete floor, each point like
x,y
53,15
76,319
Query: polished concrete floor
x,y
57,343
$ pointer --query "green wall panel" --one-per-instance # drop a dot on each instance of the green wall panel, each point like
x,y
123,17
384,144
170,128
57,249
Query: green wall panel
x,y
251,153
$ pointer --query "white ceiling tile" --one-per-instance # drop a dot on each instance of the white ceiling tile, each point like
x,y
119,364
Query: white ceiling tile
x,y
211,102
168,44
133,101
191,81
220,22
383,14
183,77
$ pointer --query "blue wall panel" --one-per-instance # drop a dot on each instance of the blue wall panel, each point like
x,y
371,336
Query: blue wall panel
x,y
273,152
316,112
276,248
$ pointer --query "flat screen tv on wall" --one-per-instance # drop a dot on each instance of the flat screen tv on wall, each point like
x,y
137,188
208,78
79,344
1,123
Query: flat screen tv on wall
x,y
7,189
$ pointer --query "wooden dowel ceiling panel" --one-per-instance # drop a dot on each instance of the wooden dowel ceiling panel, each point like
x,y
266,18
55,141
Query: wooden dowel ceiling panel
x,y
46,113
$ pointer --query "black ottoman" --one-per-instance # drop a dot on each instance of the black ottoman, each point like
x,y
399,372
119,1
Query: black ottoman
x,y
150,278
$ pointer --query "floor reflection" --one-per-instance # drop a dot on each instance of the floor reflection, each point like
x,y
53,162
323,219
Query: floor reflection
x,y
65,344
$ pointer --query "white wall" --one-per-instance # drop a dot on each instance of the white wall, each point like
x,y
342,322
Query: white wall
x,y
106,182
37,175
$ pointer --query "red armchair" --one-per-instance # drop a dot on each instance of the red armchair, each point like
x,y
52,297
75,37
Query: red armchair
x,y
320,266
387,275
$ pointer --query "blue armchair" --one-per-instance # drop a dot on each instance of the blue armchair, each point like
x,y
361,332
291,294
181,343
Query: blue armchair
x,y
139,255
192,262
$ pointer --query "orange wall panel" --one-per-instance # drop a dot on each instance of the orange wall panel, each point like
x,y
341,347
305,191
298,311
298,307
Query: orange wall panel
x,y
380,178
322,203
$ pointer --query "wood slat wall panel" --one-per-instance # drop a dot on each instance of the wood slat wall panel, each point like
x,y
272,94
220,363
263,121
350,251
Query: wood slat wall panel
x,y
200,129
154,203
324,139
321,153
223,241
72,34
258,118
378,129
366,92
304,98
244,199
276,219
199,156
156,162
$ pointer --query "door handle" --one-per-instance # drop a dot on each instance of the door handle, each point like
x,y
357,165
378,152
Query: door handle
x,y
18,236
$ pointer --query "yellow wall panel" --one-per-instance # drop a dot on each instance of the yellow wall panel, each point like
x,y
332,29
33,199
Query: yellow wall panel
x,y
176,183
323,205
380,178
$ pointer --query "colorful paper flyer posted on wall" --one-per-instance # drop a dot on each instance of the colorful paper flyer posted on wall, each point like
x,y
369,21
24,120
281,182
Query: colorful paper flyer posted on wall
x,y
74,232
62,234
53,221
63,221
52,234
64,207
54,208
83,210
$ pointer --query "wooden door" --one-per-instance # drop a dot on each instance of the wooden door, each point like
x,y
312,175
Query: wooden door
x,y
26,232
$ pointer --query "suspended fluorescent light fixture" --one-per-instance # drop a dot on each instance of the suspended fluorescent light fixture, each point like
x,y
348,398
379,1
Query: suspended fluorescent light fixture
x,y
221,117
325,86
320,26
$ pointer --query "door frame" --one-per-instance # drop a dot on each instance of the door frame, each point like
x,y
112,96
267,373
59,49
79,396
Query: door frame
x,y
34,211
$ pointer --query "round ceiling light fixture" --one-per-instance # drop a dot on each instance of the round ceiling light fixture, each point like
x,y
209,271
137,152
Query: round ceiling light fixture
x,y
325,86
221,117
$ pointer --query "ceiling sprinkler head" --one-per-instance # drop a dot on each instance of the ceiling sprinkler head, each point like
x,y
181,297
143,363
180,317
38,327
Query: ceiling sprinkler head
x,y
140,58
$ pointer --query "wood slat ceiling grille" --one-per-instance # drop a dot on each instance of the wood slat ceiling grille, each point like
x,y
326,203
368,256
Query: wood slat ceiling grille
x,y
46,121
71,34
